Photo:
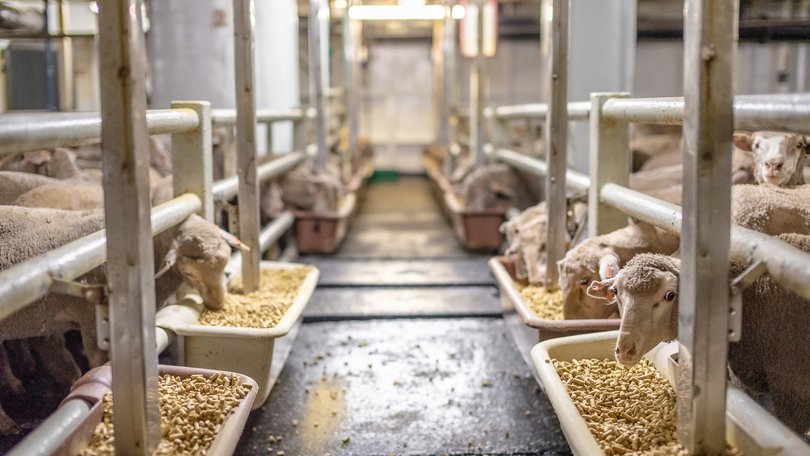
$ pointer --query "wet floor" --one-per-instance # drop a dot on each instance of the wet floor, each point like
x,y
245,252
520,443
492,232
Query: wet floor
x,y
403,350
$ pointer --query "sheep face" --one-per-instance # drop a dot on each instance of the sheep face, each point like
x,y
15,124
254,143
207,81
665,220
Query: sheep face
x,y
647,297
589,261
202,253
777,156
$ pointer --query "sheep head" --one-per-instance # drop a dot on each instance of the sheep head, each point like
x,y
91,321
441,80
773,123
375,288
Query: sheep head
x,y
587,262
646,292
778,157
201,250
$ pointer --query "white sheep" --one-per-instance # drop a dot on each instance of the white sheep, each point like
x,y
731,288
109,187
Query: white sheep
x,y
194,251
770,209
772,357
526,238
494,187
779,157
305,189
601,257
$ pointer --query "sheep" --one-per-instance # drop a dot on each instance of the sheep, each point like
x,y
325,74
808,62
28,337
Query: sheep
x,y
769,360
779,157
526,241
305,189
194,251
81,195
601,257
771,210
494,187
59,163
655,151
14,183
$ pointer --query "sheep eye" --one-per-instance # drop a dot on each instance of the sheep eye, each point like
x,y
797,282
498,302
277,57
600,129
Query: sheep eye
x,y
584,282
670,296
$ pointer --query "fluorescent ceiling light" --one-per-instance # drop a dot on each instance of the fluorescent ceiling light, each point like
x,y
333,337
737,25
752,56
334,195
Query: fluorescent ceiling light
x,y
458,12
396,12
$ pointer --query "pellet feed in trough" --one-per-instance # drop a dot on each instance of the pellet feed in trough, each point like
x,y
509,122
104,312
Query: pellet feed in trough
x,y
629,411
545,304
192,411
263,308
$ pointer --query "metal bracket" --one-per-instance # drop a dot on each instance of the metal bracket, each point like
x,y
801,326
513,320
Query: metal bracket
x,y
738,284
94,294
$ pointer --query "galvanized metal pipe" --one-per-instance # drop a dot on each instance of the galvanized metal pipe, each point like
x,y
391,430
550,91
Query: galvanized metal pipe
x,y
316,88
192,158
51,434
710,30
227,117
227,188
574,180
130,256
786,264
350,71
28,281
608,161
246,142
34,131
275,229
781,112
577,110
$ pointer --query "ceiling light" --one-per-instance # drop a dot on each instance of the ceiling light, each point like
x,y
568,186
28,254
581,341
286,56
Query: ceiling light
x,y
396,12
458,12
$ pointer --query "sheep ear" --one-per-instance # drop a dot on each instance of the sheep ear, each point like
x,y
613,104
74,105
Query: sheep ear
x,y
168,261
233,241
743,141
602,290
608,266
37,157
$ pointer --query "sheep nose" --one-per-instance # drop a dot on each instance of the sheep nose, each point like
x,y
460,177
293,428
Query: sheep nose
x,y
774,166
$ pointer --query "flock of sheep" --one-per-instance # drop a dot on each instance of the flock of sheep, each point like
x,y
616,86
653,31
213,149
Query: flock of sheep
x,y
51,197
633,273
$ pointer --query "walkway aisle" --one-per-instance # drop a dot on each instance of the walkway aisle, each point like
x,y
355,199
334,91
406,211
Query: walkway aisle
x,y
403,350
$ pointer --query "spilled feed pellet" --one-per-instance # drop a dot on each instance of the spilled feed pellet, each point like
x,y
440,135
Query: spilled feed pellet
x,y
629,411
546,305
263,308
192,411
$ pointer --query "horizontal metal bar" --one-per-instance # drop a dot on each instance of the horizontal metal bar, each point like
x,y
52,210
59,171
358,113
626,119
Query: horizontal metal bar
x,y
51,434
28,281
227,188
574,180
786,264
783,112
577,110
33,131
227,117
275,229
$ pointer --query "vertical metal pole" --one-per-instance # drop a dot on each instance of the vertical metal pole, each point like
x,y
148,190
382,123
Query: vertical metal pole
x,y
130,258
530,137
609,161
192,159
269,136
246,142
499,130
478,95
350,87
556,136
447,55
710,46
51,101
316,89
65,61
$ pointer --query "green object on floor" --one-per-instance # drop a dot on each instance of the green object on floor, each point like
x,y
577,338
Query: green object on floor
x,y
385,176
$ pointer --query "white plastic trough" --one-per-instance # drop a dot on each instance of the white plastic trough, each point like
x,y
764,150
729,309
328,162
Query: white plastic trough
x,y
248,351
749,427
